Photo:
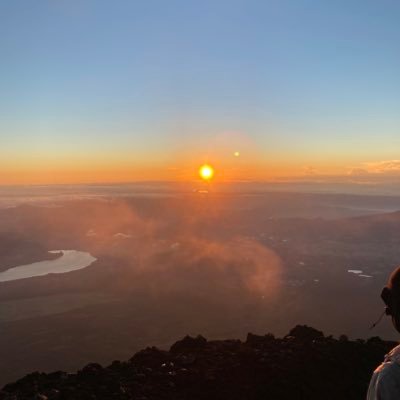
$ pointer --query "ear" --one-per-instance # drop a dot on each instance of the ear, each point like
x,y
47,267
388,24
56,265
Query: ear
x,y
386,296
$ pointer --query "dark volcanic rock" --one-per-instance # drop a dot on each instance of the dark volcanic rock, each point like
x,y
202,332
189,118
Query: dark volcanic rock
x,y
189,344
303,365
305,333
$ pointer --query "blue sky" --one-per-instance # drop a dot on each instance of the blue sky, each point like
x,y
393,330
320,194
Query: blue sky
x,y
305,82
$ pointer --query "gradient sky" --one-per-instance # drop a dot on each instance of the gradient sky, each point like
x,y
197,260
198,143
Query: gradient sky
x,y
95,90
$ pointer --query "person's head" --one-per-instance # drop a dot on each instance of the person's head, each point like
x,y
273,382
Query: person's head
x,y
391,297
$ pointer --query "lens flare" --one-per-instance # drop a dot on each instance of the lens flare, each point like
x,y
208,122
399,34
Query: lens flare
x,y
206,172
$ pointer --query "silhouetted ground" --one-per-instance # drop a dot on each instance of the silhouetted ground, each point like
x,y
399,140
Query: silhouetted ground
x,y
303,365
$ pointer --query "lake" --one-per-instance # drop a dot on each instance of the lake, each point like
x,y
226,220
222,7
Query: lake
x,y
71,260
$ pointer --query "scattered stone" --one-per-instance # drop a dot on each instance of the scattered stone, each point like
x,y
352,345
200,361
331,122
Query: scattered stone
x,y
303,365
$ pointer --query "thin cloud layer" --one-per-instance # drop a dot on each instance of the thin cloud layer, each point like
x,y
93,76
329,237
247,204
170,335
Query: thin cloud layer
x,y
384,167
198,265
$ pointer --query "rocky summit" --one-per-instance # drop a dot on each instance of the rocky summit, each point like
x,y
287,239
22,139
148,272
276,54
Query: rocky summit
x,y
305,364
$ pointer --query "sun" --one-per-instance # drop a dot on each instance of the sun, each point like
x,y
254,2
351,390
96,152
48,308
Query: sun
x,y
206,172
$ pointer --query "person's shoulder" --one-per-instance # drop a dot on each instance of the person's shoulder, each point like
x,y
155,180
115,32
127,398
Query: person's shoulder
x,y
394,354
388,369
387,380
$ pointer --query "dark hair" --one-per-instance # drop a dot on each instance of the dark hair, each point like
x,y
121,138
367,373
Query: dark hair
x,y
391,296
394,282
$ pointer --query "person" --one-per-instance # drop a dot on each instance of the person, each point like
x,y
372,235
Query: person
x,y
385,381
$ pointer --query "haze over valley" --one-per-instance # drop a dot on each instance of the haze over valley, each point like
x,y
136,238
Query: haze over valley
x,y
163,265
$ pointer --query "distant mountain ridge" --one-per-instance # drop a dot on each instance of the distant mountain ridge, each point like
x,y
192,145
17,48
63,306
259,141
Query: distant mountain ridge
x,y
305,364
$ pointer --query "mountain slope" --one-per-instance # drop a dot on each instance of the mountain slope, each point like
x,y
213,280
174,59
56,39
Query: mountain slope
x,y
303,365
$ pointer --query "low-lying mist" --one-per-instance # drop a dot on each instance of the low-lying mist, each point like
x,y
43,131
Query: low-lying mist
x,y
219,265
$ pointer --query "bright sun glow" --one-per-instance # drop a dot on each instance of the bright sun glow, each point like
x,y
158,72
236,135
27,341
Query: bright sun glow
x,y
206,172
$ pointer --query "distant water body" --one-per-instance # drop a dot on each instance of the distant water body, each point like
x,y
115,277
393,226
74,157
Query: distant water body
x,y
71,260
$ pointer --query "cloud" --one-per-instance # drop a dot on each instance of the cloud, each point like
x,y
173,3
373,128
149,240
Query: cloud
x,y
358,172
383,167
309,170
166,250
377,168
201,266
